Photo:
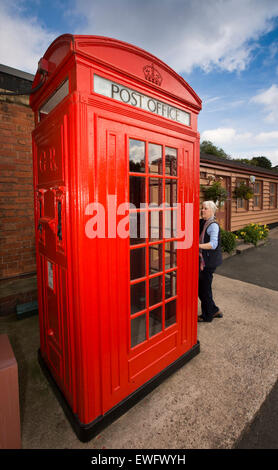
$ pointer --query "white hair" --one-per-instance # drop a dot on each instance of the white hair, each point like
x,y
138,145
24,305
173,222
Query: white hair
x,y
211,205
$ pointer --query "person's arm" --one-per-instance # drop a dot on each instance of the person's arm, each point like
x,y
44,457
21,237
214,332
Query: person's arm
x,y
205,246
212,231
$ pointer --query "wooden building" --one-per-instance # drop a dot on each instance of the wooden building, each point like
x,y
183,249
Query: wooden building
x,y
236,213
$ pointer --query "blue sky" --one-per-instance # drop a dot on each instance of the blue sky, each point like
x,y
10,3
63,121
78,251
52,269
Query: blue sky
x,y
227,50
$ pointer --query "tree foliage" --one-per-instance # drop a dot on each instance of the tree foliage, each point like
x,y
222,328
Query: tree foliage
x,y
243,160
208,147
263,162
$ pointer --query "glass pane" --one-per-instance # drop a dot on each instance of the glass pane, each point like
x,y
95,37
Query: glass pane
x,y
170,313
55,98
137,227
155,159
155,258
136,156
155,225
155,321
257,187
170,285
170,224
240,203
257,201
170,161
170,255
137,193
155,191
171,192
137,263
137,297
155,294
138,330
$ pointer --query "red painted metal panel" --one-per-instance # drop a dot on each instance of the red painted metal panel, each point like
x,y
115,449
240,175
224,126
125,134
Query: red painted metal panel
x,y
81,159
147,359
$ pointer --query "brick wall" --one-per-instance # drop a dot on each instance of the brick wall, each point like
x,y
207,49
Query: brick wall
x,y
17,242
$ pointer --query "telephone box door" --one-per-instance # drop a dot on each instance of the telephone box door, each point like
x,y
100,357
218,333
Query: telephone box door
x,y
150,302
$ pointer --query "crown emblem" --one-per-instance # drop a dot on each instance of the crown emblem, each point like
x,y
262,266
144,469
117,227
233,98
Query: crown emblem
x,y
152,75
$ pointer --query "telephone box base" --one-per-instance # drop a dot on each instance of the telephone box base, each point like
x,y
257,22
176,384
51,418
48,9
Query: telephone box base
x,y
85,432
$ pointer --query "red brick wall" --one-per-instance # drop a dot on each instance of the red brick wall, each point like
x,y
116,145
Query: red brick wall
x,y
17,242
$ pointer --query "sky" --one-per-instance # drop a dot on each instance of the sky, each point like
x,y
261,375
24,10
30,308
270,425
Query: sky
x,y
227,50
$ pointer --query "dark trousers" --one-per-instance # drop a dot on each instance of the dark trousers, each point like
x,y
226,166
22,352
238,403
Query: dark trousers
x,y
205,294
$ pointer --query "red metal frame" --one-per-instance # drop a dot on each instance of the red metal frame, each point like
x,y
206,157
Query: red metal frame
x,y
81,152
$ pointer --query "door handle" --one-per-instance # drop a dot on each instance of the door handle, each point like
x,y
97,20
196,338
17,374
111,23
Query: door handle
x,y
47,222
59,227
50,332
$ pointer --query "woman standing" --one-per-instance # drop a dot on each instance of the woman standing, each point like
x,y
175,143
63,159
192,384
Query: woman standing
x,y
210,258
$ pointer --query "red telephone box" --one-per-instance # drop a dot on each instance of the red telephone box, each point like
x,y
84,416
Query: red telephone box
x,y
116,166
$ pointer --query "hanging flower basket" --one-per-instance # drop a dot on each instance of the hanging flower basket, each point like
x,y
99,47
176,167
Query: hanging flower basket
x,y
243,191
215,192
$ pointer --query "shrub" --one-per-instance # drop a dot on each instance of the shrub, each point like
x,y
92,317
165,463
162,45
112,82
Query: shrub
x,y
228,240
243,191
252,233
215,192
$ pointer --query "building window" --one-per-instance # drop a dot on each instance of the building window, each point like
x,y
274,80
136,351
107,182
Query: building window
x,y
272,195
241,204
258,195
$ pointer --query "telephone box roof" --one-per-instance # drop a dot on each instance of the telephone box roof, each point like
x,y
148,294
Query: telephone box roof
x,y
119,56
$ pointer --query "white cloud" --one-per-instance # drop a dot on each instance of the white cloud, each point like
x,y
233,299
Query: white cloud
x,y
271,154
211,33
225,135
267,136
23,40
211,100
269,100
183,33
244,144
223,104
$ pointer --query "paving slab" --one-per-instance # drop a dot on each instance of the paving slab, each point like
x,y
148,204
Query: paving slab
x,y
205,405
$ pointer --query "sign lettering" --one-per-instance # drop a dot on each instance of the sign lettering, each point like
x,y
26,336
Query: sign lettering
x,y
126,95
47,160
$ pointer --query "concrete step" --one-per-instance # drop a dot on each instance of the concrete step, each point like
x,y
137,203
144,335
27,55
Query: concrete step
x,y
246,246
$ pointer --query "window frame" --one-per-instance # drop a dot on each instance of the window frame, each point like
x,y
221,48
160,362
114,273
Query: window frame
x,y
273,196
244,201
258,195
